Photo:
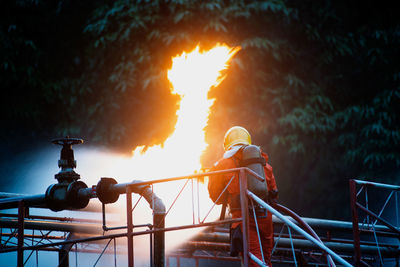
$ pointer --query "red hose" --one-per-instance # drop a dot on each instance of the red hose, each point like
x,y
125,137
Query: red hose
x,y
302,224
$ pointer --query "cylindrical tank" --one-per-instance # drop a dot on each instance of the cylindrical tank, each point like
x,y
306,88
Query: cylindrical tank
x,y
253,160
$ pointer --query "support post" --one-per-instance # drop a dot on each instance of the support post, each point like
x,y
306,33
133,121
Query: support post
x,y
245,216
129,225
20,245
63,253
354,214
159,239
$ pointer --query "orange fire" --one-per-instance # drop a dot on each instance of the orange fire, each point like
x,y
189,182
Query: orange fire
x,y
192,75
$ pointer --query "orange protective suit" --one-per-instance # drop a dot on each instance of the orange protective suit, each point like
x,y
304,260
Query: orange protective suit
x,y
217,184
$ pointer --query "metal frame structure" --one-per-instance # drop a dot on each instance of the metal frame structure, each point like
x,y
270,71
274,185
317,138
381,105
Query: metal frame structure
x,y
156,229
65,242
365,218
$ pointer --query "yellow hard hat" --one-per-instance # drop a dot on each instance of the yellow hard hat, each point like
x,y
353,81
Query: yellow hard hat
x,y
236,135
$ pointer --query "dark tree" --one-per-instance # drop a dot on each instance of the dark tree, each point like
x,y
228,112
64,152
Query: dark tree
x,y
316,83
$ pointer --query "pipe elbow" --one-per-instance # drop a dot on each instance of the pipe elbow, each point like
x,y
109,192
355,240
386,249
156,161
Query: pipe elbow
x,y
156,204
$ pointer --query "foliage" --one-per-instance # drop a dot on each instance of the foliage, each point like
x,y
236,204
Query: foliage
x,y
316,83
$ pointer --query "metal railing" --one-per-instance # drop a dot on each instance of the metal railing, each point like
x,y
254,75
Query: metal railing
x,y
127,232
368,222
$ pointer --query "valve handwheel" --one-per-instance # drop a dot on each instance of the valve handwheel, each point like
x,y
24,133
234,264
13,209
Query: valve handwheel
x,y
67,162
67,141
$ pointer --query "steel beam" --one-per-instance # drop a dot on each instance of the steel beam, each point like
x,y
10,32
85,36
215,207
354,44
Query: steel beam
x,y
244,205
21,215
129,226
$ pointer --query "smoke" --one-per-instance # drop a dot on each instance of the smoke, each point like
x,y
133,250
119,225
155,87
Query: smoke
x,y
32,172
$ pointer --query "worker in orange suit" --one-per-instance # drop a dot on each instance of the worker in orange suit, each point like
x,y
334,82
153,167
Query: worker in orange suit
x,y
235,141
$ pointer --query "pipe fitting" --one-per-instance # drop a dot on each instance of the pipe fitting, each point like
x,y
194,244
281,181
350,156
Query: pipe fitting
x,y
63,196
105,191
156,204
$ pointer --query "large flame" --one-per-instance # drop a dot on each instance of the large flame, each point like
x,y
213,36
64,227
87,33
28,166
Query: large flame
x,y
192,75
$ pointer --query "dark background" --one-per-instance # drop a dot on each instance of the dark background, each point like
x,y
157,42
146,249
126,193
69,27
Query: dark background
x,y
316,83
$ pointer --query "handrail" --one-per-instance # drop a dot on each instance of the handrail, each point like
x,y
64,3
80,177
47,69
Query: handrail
x,y
298,229
387,186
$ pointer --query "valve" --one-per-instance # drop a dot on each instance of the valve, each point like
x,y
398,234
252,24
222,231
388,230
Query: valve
x,y
65,194
67,162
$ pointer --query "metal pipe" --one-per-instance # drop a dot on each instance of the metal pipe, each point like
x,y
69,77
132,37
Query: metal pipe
x,y
52,218
333,225
37,201
298,229
339,247
212,237
53,226
9,195
10,200
305,226
298,244
224,238
207,257
205,245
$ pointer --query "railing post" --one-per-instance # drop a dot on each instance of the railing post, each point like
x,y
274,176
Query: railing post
x,y
159,240
354,214
245,215
129,225
20,245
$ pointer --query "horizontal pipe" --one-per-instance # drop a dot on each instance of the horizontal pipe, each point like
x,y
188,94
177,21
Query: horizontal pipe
x,y
203,257
52,218
204,245
273,260
224,238
323,224
339,247
38,201
10,195
212,237
298,229
299,244
52,226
